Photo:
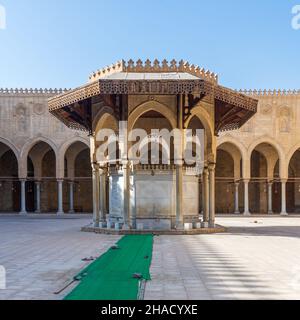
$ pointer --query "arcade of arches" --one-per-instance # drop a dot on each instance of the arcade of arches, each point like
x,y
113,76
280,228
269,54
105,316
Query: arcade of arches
x,y
41,191
42,185
252,145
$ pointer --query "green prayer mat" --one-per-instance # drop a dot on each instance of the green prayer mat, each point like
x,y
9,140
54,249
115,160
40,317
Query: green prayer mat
x,y
111,276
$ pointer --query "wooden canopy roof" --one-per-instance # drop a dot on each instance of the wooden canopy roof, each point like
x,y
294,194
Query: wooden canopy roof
x,y
74,107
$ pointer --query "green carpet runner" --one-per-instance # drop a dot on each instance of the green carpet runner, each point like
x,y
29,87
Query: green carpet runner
x,y
111,276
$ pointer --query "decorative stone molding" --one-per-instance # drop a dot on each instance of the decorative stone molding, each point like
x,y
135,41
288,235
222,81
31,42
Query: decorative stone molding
x,y
39,109
16,91
266,109
265,92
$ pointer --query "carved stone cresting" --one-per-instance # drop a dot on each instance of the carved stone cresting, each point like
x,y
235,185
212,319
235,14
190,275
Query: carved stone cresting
x,y
154,67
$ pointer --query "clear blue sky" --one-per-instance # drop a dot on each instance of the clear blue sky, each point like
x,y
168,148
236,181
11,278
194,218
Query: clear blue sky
x,y
58,43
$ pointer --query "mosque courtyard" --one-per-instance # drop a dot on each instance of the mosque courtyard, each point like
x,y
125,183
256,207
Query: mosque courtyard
x,y
258,258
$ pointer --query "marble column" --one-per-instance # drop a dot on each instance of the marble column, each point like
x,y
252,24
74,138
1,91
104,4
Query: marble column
x,y
212,213
126,192
102,182
236,198
71,197
205,186
283,197
179,197
23,197
38,196
246,197
60,210
270,197
133,202
96,184
105,192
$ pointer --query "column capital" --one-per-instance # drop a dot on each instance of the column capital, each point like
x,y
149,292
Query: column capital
x,y
211,166
60,179
95,166
246,180
284,180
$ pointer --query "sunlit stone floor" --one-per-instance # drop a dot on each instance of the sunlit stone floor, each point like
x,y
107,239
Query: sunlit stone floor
x,y
252,261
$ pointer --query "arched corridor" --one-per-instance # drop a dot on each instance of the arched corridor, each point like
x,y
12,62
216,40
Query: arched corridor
x,y
78,187
9,183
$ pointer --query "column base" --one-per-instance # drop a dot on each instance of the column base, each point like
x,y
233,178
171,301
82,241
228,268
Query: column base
x,y
23,213
211,225
247,214
102,224
71,211
284,214
96,224
270,212
204,225
60,213
179,226
237,212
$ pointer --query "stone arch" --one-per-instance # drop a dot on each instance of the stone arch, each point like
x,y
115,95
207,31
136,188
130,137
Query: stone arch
x,y
101,116
9,185
62,152
12,147
26,149
151,106
207,122
291,153
277,147
243,152
237,153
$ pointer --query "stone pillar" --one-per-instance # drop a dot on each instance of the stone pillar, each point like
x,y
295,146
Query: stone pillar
x,y
96,210
102,213
283,197
105,208
212,213
38,196
205,198
270,197
246,197
71,196
60,210
23,197
126,190
133,202
179,197
236,198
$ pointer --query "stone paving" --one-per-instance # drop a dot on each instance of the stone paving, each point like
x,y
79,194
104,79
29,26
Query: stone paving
x,y
252,261
41,255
